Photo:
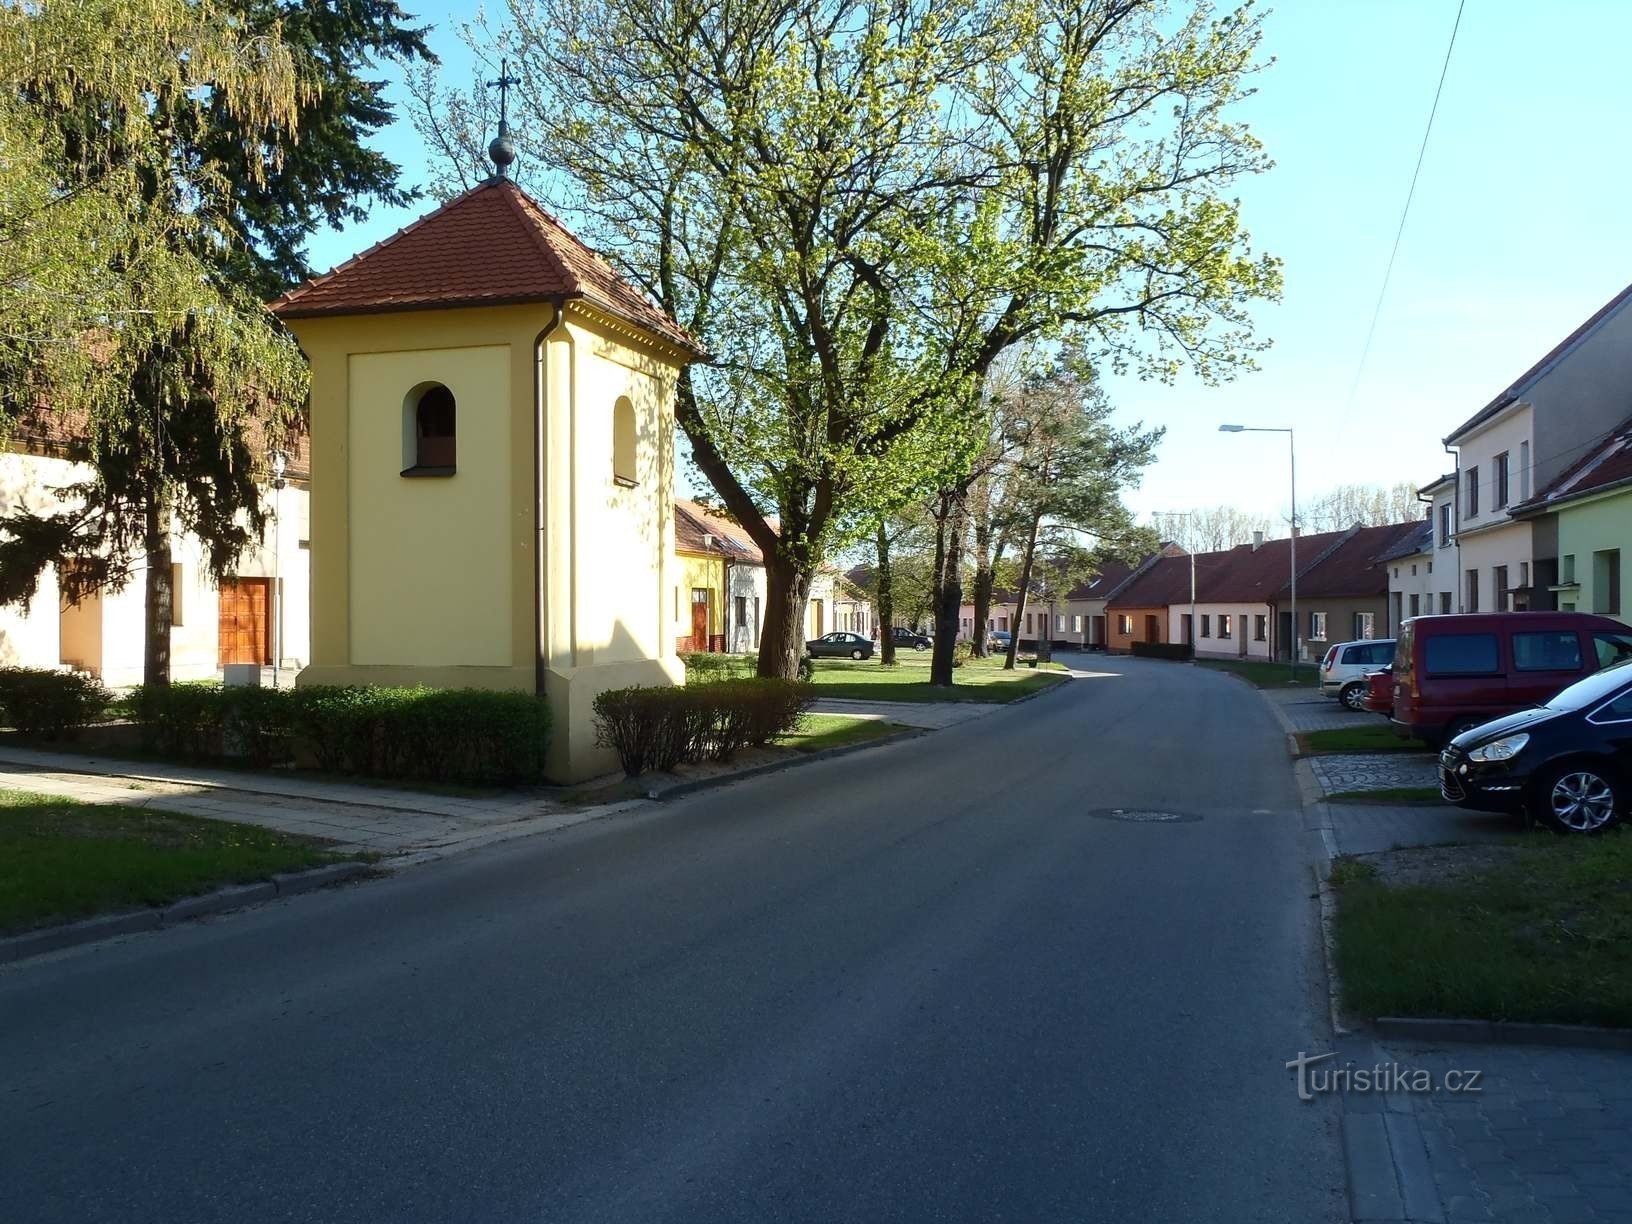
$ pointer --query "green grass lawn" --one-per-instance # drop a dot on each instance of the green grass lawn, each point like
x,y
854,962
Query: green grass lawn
x,y
61,860
1264,674
819,731
908,680
1545,938
1409,795
1367,737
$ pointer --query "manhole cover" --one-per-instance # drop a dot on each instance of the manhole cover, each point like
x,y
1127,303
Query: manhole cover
x,y
1143,816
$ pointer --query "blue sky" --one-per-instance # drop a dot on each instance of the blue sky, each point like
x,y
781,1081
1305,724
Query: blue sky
x,y
1517,233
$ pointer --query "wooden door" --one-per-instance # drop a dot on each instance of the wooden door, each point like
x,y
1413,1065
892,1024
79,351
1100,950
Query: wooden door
x,y
699,618
245,625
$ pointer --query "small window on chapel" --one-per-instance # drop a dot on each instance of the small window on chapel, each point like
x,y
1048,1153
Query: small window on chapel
x,y
623,442
429,432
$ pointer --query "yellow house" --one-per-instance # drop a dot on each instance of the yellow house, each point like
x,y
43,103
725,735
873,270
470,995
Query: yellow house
x,y
492,417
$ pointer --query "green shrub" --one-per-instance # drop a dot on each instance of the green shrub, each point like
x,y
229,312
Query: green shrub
x,y
442,735
660,727
962,652
706,667
180,720
49,704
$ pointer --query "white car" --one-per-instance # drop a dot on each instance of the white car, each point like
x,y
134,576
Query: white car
x,y
1344,670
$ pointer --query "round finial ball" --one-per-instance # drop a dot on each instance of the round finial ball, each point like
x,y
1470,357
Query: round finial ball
x,y
503,152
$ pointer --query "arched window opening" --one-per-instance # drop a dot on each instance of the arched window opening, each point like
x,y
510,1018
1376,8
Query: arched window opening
x,y
430,431
623,442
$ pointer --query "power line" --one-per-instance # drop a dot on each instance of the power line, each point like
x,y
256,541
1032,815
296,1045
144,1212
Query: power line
x,y
1405,212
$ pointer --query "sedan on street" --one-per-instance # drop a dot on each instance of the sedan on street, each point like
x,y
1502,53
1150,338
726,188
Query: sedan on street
x,y
840,646
1567,763
909,639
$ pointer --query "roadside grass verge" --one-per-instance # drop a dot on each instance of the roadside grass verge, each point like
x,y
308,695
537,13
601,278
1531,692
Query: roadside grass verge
x,y
61,859
1373,738
819,731
1406,796
1265,674
908,680
1545,937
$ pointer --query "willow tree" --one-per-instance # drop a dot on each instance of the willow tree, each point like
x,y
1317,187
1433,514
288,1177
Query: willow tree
x,y
858,205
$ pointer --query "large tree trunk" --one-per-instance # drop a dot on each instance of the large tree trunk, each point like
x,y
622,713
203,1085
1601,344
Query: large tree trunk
x,y
160,602
1020,596
981,594
782,640
948,585
885,599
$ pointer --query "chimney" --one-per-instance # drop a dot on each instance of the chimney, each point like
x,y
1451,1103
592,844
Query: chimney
x,y
1257,540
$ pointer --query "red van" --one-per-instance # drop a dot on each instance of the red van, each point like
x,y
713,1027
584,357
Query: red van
x,y
1455,672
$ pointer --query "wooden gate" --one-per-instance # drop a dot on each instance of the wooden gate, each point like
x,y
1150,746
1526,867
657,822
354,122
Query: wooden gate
x,y
245,625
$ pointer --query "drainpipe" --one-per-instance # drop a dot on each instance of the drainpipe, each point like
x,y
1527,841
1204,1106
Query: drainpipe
x,y
541,400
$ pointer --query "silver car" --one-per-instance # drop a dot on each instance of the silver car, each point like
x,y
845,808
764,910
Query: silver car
x,y
1344,669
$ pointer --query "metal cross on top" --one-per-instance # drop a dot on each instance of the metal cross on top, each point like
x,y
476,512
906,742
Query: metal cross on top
x,y
502,149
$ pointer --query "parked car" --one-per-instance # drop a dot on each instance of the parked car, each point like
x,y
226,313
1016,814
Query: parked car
x,y
1344,670
1567,763
1452,673
908,639
1000,638
840,646
1380,692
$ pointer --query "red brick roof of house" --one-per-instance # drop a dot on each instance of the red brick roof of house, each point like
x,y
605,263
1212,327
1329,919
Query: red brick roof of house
x,y
491,246
65,434
1331,564
1110,576
1351,569
703,520
1605,466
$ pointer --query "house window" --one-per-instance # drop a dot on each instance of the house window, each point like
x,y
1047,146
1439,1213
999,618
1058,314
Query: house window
x,y
1566,569
1498,578
1223,626
1606,581
1416,605
623,441
1501,482
429,431
1365,625
1206,626
1445,525
1470,482
1524,471
1124,625
1317,626
1430,567
1028,622
1076,624
1472,604
742,611
1260,628
1444,603
1413,571
1059,624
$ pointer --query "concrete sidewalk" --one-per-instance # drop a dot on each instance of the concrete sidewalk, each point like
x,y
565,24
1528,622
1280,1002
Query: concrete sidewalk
x,y
380,820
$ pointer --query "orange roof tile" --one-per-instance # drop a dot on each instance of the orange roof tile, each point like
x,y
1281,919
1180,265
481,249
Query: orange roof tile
x,y
491,246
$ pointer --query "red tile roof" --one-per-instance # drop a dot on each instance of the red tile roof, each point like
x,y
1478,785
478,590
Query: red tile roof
x,y
1110,576
491,246
1559,350
1606,465
1351,569
735,539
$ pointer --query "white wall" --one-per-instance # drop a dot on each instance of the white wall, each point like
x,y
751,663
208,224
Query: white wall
x,y
1489,538
1230,647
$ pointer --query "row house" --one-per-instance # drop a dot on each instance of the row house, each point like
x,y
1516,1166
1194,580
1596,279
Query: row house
x,y
1553,417
1422,570
1237,603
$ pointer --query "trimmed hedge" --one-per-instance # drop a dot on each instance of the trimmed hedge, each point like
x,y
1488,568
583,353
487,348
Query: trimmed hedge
x,y
441,735
1161,650
661,727
710,667
47,703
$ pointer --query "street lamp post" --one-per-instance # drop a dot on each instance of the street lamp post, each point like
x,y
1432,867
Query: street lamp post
x,y
1292,456
280,464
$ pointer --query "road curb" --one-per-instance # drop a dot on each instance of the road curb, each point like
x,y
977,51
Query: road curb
x,y
1504,1032
234,896
692,787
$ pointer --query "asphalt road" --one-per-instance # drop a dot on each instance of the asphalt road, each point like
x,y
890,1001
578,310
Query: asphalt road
x,y
925,982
